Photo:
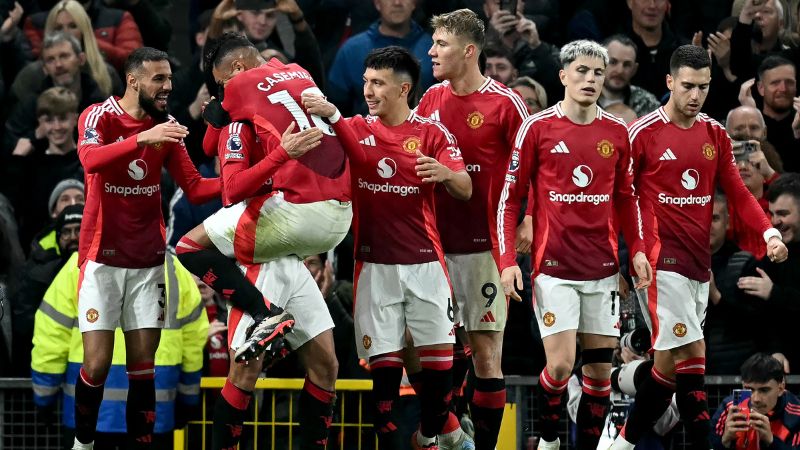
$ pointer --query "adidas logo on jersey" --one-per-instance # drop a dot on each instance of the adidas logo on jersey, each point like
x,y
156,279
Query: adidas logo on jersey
x,y
668,156
435,115
370,141
488,318
561,147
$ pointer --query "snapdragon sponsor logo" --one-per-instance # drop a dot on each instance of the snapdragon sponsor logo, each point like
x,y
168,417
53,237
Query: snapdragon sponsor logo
x,y
388,188
580,197
701,200
139,189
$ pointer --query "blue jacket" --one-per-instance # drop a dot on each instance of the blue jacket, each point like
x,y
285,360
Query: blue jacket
x,y
345,80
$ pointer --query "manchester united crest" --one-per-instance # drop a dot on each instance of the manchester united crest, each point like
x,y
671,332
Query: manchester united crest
x,y
679,330
92,315
367,342
605,148
708,151
475,120
412,144
549,319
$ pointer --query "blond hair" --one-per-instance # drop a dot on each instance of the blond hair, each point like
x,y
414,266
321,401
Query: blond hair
x,y
56,101
97,65
462,23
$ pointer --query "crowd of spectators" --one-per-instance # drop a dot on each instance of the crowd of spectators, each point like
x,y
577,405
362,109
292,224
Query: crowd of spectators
x,y
57,58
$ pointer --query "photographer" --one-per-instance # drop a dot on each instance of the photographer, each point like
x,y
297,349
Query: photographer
x,y
770,417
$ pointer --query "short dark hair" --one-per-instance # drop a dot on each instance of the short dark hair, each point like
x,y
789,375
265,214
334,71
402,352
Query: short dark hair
x,y
690,56
787,183
720,196
622,39
400,60
761,368
771,62
226,44
138,57
498,51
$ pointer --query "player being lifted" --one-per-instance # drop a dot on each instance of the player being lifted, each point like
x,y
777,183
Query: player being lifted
x,y
309,209
401,281
123,145
577,158
680,155
484,116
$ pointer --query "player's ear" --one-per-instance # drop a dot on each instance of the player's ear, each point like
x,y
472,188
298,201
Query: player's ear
x,y
131,80
670,82
471,50
562,75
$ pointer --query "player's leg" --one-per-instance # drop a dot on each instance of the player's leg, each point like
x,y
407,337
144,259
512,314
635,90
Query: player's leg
x,y
599,317
230,409
690,365
100,293
462,363
140,410
489,389
557,310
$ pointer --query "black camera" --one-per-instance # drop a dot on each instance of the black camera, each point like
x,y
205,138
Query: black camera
x,y
743,149
637,341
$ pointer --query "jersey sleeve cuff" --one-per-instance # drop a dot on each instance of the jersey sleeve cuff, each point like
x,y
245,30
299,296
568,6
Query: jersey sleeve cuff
x,y
771,233
335,117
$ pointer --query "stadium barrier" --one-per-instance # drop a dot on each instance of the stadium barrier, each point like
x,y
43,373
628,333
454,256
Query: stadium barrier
x,y
274,409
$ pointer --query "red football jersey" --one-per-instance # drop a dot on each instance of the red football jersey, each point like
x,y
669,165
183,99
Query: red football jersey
x,y
122,222
485,123
676,171
394,213
581,175
244,170
269,97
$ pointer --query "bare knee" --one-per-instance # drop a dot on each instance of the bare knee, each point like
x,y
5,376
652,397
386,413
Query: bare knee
x,y
97,368
597,371
244,376
560,369
324,370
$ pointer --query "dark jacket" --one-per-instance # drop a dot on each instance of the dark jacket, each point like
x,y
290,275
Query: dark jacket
x,y
785,418
744,63
653,67
783,304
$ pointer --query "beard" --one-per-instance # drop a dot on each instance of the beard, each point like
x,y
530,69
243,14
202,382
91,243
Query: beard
x,y
148,104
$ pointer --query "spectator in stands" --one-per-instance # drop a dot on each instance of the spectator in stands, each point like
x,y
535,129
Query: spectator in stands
x,y
622,111
746,123
779,284
9,261
724,96
67,192
216,358
116,32
63,61
531,56
183,215
395,27
499,64
728,344
29,179
774,417
654,41
532,92
777,84
34,278
58,353
622,67
152,18
12,45
756,35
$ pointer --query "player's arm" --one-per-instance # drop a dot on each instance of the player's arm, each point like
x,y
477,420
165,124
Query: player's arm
x,y
211,141
318,105
520,173
180,167
241,180
447,167
626,203
747,207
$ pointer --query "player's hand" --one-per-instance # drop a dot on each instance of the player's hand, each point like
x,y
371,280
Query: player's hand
x,y
431,170
761,423
164,132
760,286
746,94
216,327
298,144
776,250
527,29
317,105
524,236
644,272
215,114
511,279
735,423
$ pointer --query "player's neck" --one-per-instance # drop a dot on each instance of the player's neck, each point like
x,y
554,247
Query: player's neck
x,y
578,113
396,116
469,82
677,117
130,104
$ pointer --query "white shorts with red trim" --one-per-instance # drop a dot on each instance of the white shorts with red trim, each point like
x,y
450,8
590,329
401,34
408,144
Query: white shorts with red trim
x,y
391,297
109,297
261,229
480,304
676,309
589,306
285,282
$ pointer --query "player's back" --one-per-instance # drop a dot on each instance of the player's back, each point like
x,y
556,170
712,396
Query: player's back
x,y
676,172
269,97
485,123
123,225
